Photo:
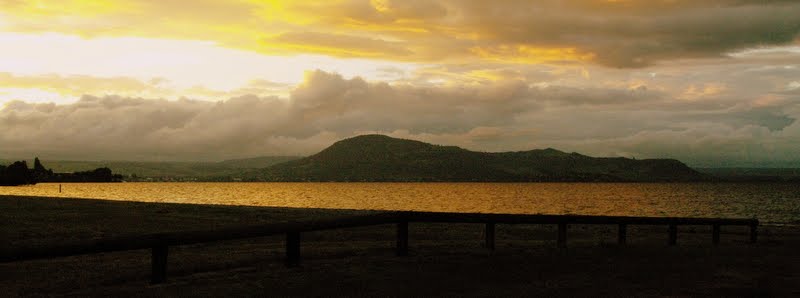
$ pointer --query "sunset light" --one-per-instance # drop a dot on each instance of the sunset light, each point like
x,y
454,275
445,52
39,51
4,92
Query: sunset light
x,y
680,68
488,148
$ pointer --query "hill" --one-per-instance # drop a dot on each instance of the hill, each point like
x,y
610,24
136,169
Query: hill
x,y
382,158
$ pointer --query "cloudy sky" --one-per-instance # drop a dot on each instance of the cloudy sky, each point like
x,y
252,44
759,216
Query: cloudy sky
x,y
709,82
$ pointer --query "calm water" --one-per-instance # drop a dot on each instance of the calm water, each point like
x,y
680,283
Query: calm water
x,y
772,203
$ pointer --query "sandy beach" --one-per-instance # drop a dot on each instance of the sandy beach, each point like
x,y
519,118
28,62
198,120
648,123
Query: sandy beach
x,y
445,259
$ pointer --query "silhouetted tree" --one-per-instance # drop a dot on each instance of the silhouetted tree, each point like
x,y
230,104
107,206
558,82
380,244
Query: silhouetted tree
x,y
17,174
97,175
37,165
40,173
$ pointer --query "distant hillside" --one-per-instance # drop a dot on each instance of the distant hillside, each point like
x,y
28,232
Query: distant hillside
x,y
255,162
202,170
382,158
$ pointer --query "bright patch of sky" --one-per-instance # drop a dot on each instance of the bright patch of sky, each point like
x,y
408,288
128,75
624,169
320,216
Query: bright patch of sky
x,y
183,63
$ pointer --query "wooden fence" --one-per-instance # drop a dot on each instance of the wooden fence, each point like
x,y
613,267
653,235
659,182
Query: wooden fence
x,y
159,243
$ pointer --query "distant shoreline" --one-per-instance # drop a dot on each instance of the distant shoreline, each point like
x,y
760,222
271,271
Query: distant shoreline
x,y
237,171
720,181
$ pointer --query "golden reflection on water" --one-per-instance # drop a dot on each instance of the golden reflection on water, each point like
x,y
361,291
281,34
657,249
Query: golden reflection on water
x,y
768,202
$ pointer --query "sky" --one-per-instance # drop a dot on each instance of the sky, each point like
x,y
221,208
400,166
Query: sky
x,y
713,83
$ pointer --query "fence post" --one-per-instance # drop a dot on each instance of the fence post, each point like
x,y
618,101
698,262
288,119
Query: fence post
x,y
622,234
715,234
562,235
292,249
490,236
158,261
673,234
753,232
402,238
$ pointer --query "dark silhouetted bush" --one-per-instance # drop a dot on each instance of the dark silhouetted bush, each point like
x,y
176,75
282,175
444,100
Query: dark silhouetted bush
x,y
16,174
19,174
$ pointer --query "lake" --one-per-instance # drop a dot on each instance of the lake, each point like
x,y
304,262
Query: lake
x,y
771,203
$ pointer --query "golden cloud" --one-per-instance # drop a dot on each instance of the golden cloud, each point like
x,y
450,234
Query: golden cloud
x,y
335,45
67,88
631,33
79,85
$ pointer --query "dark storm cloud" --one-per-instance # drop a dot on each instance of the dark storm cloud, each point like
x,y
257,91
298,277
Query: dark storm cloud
x,y
639,34
611,33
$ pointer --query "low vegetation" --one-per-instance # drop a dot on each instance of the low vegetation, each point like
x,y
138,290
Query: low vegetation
x,y
18,173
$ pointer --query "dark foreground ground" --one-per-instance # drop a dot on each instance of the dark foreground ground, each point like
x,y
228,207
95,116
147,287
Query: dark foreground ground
x,y
445,259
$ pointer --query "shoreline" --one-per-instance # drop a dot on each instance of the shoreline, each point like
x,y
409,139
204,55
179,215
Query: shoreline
x,y
765,218
526,260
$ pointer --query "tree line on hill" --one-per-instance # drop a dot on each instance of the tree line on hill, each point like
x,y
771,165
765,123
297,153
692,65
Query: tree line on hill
x,y
18,173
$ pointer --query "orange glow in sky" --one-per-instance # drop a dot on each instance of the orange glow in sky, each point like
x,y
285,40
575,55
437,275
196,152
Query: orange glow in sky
x,y
637,72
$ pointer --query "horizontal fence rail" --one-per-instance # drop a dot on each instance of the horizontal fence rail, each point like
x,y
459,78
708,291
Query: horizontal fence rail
x,y
159,243
570,219
194,237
